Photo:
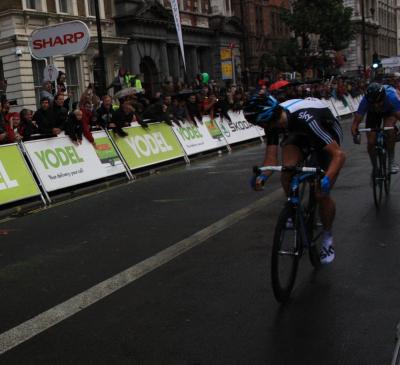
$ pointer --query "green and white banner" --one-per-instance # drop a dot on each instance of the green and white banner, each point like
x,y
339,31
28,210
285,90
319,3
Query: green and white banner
x,y
60,164
16,180
203,137
144,147
237,129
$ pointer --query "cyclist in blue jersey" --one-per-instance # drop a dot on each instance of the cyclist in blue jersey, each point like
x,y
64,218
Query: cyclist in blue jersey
x,y
300,127
380,102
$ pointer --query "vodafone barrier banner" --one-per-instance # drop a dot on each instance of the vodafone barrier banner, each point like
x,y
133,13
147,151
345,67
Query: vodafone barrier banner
x,y
60,164
238,128
59,40
110,161
148,146
16,180
205,136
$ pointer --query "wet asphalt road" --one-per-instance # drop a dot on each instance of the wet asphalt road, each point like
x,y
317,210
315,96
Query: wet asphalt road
x,y
214,303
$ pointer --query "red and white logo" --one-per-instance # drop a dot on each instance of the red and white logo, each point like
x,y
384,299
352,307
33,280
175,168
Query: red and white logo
x,y
60,40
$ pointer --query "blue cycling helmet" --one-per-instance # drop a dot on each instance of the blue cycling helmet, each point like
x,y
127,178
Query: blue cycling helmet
x,y
261,109
375,93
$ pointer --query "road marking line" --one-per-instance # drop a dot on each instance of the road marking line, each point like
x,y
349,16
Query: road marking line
x,y
25,331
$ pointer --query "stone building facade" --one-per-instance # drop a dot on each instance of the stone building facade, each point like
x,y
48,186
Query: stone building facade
x,y
262,29
24,75
153,48
381,32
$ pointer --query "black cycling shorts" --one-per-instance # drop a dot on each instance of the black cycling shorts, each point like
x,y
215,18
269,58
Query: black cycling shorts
x,y
318,156
374,119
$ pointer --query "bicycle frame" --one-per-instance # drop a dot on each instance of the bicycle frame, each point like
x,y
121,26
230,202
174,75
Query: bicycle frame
x,y
381,176
302,174
380,135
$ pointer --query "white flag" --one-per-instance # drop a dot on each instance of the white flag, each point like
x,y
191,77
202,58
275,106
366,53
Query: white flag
x,y
177,18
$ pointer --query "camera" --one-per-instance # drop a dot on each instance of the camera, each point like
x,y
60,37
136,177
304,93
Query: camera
x,y
13,102
18,51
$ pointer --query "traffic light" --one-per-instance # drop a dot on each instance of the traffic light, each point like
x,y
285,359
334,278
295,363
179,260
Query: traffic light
x,y
376,62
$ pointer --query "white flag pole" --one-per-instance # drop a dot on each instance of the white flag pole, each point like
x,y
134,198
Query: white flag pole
x,y
177,19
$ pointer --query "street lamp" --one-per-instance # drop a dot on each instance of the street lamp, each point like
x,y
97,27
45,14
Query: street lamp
x,y
363,33
101,66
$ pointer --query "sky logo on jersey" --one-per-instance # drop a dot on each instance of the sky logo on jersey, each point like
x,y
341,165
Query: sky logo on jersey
x,y
305,116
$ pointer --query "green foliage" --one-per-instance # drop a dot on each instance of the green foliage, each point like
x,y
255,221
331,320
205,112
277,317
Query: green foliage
x,y
328,19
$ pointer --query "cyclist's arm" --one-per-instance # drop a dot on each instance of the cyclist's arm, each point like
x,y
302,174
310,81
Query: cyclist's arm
x,y
271,152
271,157
356,122
338,157
397,114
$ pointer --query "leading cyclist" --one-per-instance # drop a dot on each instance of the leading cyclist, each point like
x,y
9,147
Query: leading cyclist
x,y
379,102
302,126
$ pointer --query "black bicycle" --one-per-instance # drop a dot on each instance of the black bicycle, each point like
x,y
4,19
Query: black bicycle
x,y
296,229
381,176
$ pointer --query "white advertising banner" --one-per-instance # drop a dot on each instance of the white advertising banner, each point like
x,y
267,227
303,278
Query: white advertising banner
x,y
177,19
332,107
60,164
59,40
340,107
237,129
203,137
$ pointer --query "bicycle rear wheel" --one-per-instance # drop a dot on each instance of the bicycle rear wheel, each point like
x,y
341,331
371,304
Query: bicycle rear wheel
x,y
286,253
377,179
386,172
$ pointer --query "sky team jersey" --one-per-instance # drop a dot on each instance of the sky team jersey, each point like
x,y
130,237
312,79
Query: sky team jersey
x,y
391,103
312,119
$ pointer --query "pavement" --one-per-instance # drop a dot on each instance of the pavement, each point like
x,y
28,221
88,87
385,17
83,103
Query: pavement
x,y
175,269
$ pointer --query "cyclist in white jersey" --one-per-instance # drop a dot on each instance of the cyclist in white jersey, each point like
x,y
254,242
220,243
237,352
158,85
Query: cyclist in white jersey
x,y
299,126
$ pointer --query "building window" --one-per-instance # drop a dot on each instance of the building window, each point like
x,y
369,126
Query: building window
x,y
72,77
91,10
3,84
38,68
34,5
63,6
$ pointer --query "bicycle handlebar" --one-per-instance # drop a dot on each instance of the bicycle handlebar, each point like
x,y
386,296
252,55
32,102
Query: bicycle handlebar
x,y
258,170
375,129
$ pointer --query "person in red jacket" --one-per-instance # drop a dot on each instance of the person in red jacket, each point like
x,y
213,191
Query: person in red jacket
x,y
76,127
87,117
12,126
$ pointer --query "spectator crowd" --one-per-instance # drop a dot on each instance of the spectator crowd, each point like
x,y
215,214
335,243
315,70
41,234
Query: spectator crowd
x,y
130,105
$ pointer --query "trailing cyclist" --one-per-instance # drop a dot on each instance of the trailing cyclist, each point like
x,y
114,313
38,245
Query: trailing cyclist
x,y
299,127
380,102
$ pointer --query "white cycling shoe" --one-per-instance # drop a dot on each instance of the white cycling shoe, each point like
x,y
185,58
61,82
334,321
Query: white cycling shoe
x,y
327,252
394,168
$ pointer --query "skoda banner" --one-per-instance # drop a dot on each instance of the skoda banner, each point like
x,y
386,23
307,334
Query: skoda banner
x,y
238,128
60,164
144,147
16,180
203,137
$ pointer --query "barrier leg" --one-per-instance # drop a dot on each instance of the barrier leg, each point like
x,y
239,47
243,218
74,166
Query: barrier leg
x,y
44,195
127,169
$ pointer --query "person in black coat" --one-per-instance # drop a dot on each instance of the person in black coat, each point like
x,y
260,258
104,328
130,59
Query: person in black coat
x,y
44,119
60,113
74,127
27,127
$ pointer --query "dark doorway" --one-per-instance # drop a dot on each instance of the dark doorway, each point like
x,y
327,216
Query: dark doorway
x,y
151,82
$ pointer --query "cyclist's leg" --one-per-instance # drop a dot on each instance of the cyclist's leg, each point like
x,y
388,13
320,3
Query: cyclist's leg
x,y
292,155
390,121
373,121
327,212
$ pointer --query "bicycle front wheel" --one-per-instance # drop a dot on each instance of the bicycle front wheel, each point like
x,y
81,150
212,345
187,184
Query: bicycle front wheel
x,y
377,179
386,171
286,253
